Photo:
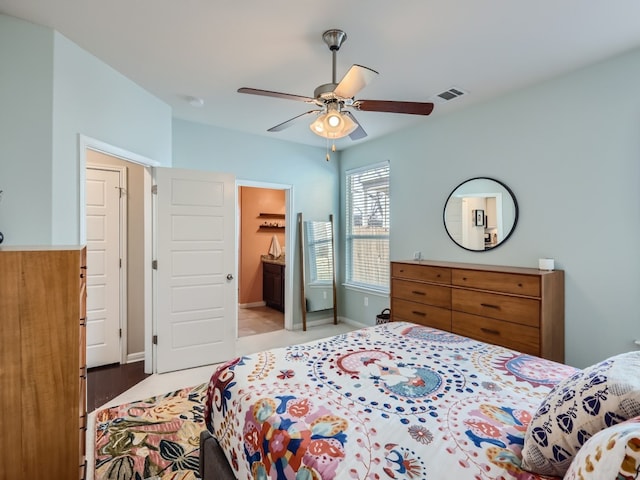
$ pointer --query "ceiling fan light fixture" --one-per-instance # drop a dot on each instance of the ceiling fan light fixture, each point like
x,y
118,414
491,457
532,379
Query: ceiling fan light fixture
x,y
333,120
333,124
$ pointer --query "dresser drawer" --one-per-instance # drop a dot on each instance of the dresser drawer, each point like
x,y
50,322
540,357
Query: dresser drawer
x,y
421,272
498,332
422,293
525,311
500,282
422,314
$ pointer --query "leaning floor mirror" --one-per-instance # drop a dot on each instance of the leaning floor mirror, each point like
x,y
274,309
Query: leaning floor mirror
x,y
318,281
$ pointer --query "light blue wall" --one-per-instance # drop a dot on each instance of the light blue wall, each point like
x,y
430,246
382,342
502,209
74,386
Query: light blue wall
x,y
51,91
92,99
314,181
248,157
570,151
26,104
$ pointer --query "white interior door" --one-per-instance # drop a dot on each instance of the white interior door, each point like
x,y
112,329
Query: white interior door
x,y
195,291
103,267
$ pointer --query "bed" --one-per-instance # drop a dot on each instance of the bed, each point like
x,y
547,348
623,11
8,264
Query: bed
x,y
392,401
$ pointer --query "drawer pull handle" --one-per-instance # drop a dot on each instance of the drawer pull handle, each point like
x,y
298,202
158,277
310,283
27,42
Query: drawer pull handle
x,y
421,314
490,330
417,292
488,305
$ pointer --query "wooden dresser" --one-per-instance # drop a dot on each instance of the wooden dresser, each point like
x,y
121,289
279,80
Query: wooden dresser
x,y
519,308
42,362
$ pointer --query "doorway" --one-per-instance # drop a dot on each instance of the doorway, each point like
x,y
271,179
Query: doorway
x,y
264,275
127,260
135,345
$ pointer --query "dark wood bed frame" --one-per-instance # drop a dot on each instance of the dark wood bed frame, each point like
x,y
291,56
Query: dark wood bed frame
x,y
213,463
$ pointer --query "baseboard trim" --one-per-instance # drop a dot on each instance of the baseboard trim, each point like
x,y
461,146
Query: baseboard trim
x,y
328,320
135,357
353,323
252,305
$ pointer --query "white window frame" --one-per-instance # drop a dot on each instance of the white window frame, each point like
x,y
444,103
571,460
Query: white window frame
x,y
381,271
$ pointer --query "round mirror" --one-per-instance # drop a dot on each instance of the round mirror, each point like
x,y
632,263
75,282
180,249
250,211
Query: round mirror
x,y
480,214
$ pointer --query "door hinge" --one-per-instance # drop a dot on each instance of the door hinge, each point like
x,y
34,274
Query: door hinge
x,y
120,263
154,264
154,189
120,333
155,339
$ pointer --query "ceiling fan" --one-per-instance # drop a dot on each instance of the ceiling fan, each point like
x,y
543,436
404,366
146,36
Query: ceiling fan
x,y
334,118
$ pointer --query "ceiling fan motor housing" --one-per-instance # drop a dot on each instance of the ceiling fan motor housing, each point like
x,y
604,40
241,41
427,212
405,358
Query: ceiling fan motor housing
x,y
325,92
334,38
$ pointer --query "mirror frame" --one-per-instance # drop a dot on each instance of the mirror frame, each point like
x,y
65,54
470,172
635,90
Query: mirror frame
x,y
515,207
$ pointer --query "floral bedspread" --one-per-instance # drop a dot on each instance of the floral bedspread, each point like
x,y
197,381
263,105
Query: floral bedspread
x,y
394,401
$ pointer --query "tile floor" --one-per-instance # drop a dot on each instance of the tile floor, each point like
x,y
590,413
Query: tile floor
x,y
157,384
252,321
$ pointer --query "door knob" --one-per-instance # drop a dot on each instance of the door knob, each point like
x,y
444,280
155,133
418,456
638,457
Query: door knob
x,y
229,276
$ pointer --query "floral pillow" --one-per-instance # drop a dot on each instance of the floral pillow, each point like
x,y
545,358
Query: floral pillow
x,y
577,408
612,453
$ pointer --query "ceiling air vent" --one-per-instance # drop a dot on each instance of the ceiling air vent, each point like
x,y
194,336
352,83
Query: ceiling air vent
x,y
448,95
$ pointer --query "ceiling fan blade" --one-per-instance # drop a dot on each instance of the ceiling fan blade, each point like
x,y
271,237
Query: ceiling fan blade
x,y
412,108
291,121
355,80
268,93
359,132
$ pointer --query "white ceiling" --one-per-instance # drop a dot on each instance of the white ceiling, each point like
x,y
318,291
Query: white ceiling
x,y
210,48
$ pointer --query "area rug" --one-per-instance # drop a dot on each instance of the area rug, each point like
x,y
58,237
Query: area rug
x,y
155,438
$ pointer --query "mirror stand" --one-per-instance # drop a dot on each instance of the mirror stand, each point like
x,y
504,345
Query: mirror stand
x,y
317,268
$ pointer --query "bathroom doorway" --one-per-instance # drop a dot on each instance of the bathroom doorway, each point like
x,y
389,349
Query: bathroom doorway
x,y
264,275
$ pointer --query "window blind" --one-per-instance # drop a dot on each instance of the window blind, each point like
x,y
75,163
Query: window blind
x,y
367,227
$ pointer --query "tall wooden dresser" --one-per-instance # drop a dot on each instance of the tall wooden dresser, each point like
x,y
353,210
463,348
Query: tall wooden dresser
x,y
519,308
42,362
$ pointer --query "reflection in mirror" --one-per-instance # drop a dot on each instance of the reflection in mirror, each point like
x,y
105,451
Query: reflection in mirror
x,y
318,285
480,214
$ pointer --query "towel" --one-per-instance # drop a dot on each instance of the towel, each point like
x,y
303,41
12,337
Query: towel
x,y
274,250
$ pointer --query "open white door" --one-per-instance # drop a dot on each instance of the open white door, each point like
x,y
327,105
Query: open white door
x,y
103,266
195,293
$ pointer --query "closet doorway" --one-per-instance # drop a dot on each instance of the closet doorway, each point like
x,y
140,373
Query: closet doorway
x,y
264,274
121,324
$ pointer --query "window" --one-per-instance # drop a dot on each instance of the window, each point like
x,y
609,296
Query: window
x,y
367,227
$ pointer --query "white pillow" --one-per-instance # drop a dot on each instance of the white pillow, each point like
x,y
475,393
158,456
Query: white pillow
x,y
612,453
579,407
